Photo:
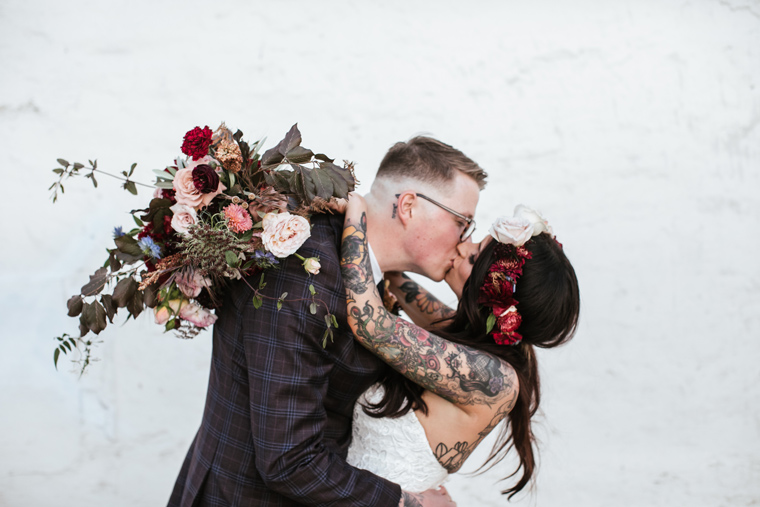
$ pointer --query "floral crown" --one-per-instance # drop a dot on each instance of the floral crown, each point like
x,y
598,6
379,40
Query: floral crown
x,y
498,290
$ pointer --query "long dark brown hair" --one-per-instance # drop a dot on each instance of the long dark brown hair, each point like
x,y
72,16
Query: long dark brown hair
x,y
549,303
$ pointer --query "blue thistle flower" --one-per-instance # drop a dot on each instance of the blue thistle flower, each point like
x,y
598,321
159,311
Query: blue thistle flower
x,y
149,247
117,232
265,260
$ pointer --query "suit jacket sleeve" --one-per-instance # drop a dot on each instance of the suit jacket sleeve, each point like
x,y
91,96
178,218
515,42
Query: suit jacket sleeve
x,y
289,371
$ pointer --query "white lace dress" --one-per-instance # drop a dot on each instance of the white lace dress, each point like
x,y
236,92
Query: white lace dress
x,y
395,449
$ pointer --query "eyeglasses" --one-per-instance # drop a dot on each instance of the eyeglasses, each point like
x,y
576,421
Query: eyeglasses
x,y
469,228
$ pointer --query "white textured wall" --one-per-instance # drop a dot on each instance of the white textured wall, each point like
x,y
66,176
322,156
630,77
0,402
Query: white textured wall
x,y
632,124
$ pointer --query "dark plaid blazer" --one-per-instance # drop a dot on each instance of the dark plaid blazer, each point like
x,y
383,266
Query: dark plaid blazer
x,y
277,422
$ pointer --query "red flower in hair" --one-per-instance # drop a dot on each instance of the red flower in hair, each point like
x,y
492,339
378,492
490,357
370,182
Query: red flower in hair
x,y
507,339
509,320
197,142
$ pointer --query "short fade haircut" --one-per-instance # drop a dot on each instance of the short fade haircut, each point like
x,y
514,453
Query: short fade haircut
x,y
429,160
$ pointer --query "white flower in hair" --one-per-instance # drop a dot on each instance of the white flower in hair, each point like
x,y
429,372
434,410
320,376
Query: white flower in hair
x,y
511,230
540,224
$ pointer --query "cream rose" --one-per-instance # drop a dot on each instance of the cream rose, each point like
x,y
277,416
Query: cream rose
x,y
184,217
312,265
540,224
187,194
284,233
511,230
195,313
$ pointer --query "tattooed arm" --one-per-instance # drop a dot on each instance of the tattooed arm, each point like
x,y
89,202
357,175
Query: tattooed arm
x,y
471,379
421,306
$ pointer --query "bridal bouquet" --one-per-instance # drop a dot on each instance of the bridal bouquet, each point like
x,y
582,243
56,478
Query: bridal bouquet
x,y
219,212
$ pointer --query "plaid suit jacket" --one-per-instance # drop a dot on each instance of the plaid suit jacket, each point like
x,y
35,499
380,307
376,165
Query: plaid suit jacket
x,y
277,422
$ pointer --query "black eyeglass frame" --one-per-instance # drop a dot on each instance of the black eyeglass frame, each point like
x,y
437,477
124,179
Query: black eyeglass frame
x,y
467,232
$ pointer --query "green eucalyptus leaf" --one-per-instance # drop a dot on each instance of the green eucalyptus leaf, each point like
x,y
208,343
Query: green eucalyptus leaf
x,y
56,354
313,308
257,301
63,162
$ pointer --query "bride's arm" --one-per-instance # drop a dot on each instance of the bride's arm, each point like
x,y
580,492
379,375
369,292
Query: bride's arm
x,y
468,377
421,306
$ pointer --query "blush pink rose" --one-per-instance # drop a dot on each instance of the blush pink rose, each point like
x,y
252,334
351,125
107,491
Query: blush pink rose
x,y
188,194
284,233
195,313
512,230
184,217
191,284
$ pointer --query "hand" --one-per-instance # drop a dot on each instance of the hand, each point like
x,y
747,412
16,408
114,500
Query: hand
x,y
430,498
353,201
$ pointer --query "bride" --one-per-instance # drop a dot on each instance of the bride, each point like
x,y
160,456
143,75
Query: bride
x,y
458,373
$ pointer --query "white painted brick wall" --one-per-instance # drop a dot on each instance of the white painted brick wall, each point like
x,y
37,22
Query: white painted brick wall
x,y
632,125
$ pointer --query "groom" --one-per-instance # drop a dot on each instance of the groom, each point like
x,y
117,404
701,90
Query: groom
x,y
277,422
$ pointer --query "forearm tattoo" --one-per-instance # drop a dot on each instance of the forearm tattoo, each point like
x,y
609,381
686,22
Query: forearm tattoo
x,y
461,374
424,301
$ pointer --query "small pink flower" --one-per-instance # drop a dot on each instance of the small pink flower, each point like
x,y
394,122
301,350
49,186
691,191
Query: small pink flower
x,y
238,218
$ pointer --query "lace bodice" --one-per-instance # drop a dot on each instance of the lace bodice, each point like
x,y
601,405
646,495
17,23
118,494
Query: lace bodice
x,y
395,449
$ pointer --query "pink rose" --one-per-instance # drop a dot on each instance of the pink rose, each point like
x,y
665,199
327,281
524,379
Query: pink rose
x,y
284,233
184,217
186,191
191,283
511,230
163,313
195,313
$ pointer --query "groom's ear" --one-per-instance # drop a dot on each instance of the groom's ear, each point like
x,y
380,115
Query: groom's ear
x,y
405,207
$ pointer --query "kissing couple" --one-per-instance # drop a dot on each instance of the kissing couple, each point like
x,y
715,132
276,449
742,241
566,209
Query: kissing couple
x,y
387,409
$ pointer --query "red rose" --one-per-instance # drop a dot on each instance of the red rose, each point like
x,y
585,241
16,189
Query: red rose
x,y
197,142
509,322
205,179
